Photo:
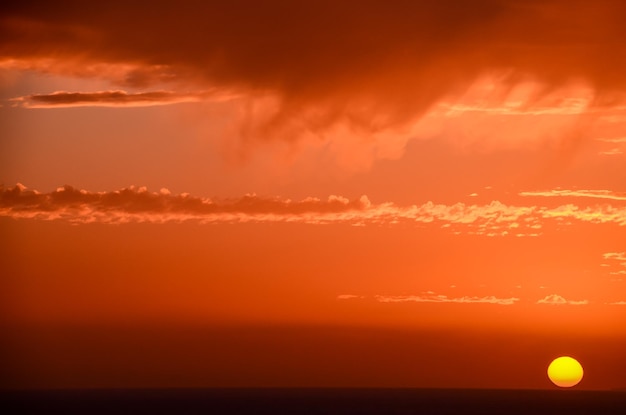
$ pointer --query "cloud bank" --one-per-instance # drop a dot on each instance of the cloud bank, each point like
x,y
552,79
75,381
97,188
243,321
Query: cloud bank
x,y
139,205
372,65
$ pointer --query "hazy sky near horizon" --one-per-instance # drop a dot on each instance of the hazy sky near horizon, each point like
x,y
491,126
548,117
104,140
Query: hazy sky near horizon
x,y
282,183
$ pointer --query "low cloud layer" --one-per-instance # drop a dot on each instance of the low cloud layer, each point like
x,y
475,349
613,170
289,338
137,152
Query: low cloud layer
x,y
554,299
139,205
434,298
431,297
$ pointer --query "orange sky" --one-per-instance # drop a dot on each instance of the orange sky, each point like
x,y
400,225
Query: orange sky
x,y
312,194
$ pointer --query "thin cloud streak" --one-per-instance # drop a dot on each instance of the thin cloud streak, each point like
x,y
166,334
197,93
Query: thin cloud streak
x,y
117,98
612,152
596,194
612,140
349,297
431,297
438,298
139,205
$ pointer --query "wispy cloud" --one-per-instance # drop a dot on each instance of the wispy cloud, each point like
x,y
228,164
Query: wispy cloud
x,y
618,256
139,205
615,261
595,194
612,140
611,152
438,298
348,297
554,299
618,303
569,107
117,98
596,214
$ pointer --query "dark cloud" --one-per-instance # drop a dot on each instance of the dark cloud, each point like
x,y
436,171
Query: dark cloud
x,y
396,56
139,205
106,98
135,200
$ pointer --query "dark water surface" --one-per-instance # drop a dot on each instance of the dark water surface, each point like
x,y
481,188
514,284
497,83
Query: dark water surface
x,y
313,401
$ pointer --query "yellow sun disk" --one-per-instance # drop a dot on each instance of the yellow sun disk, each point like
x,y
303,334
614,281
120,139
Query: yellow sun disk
x,y
565,371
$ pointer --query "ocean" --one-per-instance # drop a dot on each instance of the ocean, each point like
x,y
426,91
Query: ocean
x,y
307,401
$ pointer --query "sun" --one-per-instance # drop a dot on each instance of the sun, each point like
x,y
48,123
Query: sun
x,y
565,372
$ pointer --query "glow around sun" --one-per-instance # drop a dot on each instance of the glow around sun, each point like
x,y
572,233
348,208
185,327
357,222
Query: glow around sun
x,y
565,372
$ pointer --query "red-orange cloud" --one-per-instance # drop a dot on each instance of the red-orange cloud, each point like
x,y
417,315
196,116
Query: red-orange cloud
x,y
371,64
431,297
139,205
62,99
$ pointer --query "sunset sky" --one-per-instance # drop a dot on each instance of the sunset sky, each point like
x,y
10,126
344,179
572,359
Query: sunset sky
x,y
312,193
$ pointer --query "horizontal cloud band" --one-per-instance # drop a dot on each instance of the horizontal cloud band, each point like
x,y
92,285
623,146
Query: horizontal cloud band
x,y
116,98
594,194
139,205
433,298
